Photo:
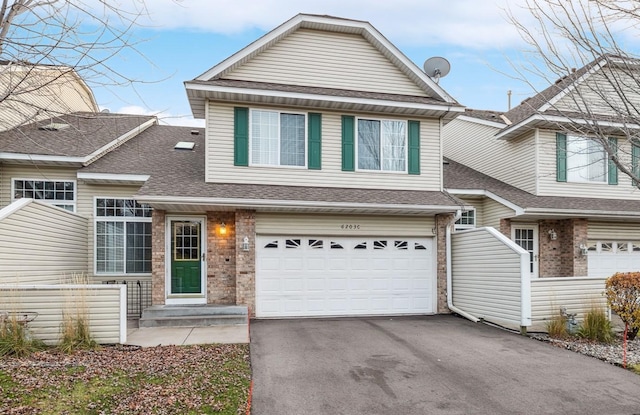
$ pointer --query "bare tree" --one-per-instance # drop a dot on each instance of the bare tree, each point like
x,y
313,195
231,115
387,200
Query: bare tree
x,y
579,48
48,46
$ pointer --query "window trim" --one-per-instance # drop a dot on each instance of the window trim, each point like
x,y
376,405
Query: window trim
x,y
305,139
123,219
461,227
605,181
73,202
406,146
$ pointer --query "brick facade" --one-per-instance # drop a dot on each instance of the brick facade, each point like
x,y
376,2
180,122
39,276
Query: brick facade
x,y
562,257
442,221
246,260
221,258
158,257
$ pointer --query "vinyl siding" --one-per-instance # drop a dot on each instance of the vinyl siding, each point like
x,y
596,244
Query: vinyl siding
x,y
103,307
41,244
475,146
548,186
493,212
327,59
486,276
478,204
25,171
343,225
609,231
577,294
221,169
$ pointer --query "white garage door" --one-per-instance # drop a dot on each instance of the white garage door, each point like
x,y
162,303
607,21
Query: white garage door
x,y
608,257
330,276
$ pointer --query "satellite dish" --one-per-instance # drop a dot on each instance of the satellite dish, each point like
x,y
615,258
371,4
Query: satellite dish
x,y
436,68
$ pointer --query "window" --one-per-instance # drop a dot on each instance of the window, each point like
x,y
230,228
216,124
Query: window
x,y
59,193
467,220
278,138
382,145
586,160
123,237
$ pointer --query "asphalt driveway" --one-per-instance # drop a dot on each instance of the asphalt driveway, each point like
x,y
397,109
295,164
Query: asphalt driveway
x,y
425,365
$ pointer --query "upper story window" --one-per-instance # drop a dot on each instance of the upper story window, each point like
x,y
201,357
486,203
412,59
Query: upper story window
x,y
382,145
467,220
59,193
277,138
586,160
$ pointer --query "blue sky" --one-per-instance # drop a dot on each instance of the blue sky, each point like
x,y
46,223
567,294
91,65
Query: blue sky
x,y
184,38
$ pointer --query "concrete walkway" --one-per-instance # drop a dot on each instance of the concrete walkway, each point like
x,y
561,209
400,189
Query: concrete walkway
x,y
182,336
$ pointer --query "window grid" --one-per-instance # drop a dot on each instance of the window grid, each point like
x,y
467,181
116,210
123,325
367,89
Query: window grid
x,y
467,220
60,193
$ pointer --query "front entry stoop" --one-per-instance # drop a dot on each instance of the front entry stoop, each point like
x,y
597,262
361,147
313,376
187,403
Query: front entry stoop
x,y
193,315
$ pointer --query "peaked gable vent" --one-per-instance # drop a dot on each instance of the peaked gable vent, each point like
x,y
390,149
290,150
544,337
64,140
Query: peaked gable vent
x,y
54,126
184,145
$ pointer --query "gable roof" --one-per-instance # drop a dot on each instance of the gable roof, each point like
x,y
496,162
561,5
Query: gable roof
x,y
176,180
209,85
539,109
460,179
77,138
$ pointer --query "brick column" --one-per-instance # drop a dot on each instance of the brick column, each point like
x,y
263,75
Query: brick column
x,y
221,259
246,260
505,227
158,257
441,242
580,230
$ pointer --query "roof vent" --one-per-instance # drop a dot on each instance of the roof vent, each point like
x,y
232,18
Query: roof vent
x,y
184,145
54,126
195,132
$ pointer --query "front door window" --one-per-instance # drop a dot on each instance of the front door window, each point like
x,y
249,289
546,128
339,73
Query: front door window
x,y
527,238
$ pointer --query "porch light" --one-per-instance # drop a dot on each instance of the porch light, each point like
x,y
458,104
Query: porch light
x,y
245,244
222,229
584,250
553,235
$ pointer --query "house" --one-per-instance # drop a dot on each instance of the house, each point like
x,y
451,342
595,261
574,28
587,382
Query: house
x,y
34,92
315,188
536,173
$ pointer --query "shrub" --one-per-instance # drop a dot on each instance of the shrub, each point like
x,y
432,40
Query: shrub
x,y
623,296
596,326
557,326
76,334
15,339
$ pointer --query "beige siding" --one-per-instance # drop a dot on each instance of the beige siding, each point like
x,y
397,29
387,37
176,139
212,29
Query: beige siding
x,y
494,211
608,231
102,304
327,59
220,166
343,225
576,294
548,186
41,244
475,146
478,204
487,276
25,171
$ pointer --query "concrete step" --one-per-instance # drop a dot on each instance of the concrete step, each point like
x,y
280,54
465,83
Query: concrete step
x,y
193,316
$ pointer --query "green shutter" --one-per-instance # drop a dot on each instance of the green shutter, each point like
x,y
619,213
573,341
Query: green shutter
x,y
414,147
613,169
561,157
241,136
635,161
348,143
314,139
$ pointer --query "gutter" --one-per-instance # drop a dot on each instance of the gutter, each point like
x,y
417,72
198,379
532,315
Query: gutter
x,y
449,274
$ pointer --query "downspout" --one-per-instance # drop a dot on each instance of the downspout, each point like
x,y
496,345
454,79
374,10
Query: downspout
x,y
449,276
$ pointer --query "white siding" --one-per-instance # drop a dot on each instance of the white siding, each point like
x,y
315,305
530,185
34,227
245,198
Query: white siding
x,y
105,305
220,166
610,231
576,294
327,59
41,244
548,186
343,225
475,146
494,211
489,278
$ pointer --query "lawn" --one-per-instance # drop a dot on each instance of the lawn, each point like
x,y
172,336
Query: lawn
x,y
205,379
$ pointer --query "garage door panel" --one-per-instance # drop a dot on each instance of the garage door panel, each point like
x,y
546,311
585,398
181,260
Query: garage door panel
x,y
605,258
316,276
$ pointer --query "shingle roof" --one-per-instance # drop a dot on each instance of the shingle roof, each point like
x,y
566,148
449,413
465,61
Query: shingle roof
x,y
459,176
180,174
87,132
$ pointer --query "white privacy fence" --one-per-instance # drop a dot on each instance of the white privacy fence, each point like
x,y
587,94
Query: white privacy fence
x,y
105,306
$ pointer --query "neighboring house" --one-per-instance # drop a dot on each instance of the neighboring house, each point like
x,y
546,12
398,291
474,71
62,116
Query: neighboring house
x,y
104,234
533,175
316,187
34,92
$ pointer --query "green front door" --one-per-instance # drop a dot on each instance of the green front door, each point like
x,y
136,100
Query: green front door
x,y
186,252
